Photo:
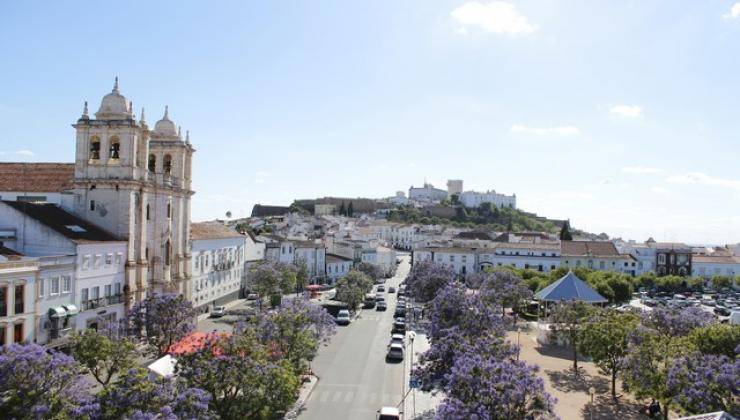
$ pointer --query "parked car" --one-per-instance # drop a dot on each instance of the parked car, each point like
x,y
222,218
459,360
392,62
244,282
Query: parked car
x,y
388,413
381,288
391,289
343,317
253,296
381,306
218,312
399,327
398,339
395,352
400,311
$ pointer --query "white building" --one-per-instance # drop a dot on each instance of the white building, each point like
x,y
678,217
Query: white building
x,y
473,199
381,257
535,256
596,255
82,267
462,260
291,251
17,290
427,193
218,264
710,265
337,266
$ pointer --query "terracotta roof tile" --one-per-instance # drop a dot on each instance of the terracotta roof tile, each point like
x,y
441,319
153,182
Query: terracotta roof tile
x,y
593,248
212,230
36,177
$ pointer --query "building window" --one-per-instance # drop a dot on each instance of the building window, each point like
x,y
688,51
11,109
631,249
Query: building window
x,y
117,288
85,262
95,148
66,284
115,147
147,212
152,163
41,287
95,293
169,210
19,304
92,205
167,253
108,259
54,286
18,333
2,335
167,164
3,301
96,261
118,258
84,298
661,258
601,265
107,291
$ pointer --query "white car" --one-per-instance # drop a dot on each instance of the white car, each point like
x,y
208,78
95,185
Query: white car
x,y
398,339
395,352
343,317
388,413
218,312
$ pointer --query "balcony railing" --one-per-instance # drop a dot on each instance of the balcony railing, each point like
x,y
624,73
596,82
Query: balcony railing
x,y
102,302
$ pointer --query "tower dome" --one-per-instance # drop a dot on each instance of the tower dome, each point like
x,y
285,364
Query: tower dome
x,y
165,127
114,106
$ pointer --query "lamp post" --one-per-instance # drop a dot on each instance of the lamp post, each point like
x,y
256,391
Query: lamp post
x,y
412,335
591,392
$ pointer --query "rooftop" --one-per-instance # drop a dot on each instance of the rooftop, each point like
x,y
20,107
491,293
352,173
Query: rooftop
x,y
36,177
212,230
589,248
68,225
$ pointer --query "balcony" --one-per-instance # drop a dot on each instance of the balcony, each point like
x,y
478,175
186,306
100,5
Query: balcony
x,y
102,302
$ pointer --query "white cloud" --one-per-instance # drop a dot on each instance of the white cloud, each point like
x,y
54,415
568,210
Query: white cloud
x,y
734,12
560,130
703,179
660,191
498,17
626,111
640,170
24,153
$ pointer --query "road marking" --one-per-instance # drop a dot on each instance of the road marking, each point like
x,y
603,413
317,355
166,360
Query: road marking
x,y
349,397
324,396
337,396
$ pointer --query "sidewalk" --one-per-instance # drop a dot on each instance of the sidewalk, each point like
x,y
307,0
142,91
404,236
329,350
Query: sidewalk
x,y
418,405
303,395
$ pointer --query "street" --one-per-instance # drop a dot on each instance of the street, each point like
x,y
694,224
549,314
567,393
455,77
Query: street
x,y
354,378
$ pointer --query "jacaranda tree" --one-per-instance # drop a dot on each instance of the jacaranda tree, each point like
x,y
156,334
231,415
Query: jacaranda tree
x,y
161,320
484,387
36,384
426,278
704,383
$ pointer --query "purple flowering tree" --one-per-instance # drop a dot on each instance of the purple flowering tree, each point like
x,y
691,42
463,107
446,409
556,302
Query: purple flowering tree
x,y
38,384
677,322
704,383
296,329
134,395
161,320
503,288
242,375
426,278
484,387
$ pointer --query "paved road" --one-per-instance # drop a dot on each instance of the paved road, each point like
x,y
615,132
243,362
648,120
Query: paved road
x,y
354,378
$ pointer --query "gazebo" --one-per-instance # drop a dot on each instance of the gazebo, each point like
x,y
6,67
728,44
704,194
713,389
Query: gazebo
x,y
567,288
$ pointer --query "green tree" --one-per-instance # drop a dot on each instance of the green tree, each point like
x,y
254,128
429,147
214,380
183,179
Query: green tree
x,y
722,282
302,276
265,279
350,209
565,234
342,209
604,338
240,375
351,289
103,354
569,318
716,339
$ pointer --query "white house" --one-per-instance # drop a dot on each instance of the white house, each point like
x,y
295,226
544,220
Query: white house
x,y
381,257
218,264
462,260
596,255
337,266
473,199
292,251
18,275
82,267
535,256
710,265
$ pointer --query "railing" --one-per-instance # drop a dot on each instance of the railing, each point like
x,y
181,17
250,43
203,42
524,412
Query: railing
x,y
102,302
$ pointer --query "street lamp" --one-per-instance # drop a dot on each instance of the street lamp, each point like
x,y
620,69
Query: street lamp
x,y
412,335
591,392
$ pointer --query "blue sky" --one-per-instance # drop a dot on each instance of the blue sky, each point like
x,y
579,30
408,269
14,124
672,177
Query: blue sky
x,y
623,116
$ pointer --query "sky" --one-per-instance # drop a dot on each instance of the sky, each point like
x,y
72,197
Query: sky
x,y
623,116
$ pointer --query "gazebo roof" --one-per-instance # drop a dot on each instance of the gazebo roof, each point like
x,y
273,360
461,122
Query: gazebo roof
x,y
569,287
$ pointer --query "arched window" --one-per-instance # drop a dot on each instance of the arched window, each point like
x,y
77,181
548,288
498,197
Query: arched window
x,y
152,163
115,148
147,212
95,148
167,164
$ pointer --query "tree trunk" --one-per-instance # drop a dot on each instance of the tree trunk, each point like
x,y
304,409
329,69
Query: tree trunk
x,y
614,384
665,411
575,357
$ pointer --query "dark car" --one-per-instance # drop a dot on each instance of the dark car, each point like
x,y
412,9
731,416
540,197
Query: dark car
x,y
381,306
391,289
399,312
399,327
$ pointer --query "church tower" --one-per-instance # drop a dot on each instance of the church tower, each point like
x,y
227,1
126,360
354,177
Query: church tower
x,y
136,183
